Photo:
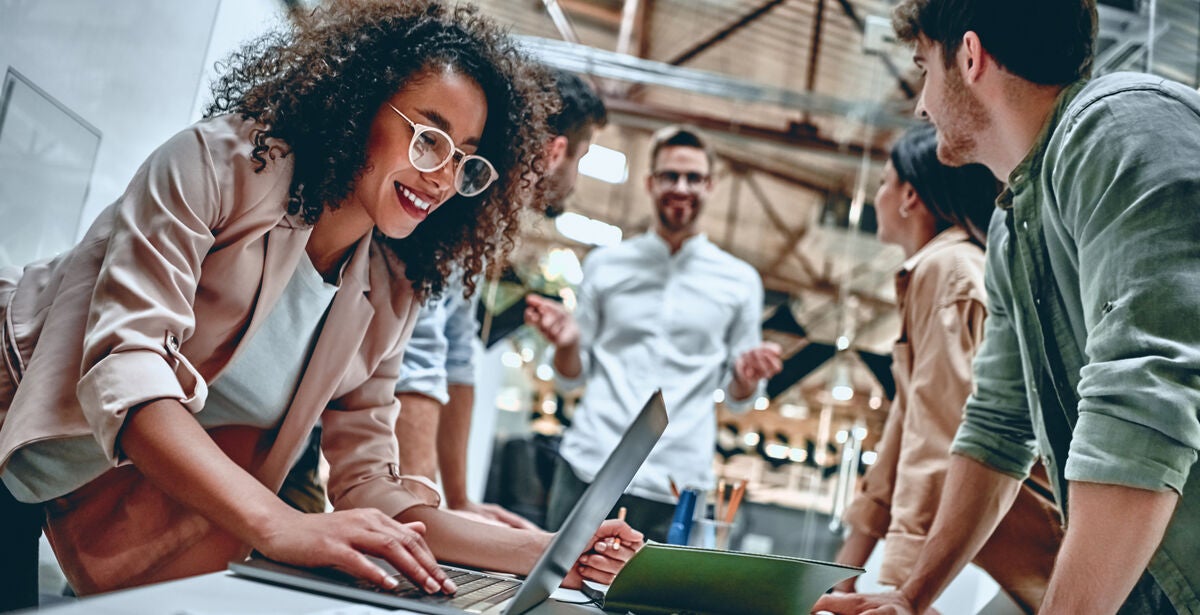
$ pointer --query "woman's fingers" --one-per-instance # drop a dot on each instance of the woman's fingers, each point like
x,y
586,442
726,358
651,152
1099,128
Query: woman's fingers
x,y
629,536
403,546
608,559
615,544
345,539
354,563
599,568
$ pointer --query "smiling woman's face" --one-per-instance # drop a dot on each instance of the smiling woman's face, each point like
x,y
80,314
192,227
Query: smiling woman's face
x,y
396,196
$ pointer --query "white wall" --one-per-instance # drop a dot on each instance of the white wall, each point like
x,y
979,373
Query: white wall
x,y
237,21
138,70
132,68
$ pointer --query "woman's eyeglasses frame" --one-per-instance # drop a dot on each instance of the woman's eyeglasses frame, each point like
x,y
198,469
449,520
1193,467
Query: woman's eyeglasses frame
x,y
460,157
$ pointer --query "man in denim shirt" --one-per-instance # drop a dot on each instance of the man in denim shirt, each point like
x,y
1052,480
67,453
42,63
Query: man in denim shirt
x,y
1091,356
437,380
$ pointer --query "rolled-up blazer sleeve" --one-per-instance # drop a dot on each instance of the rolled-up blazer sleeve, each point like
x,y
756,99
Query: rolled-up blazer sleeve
x,y
359,440
141,309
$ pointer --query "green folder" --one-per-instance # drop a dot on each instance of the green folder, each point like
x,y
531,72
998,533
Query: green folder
x,y
675,579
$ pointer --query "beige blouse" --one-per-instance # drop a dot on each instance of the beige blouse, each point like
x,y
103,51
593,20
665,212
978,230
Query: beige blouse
x,y
942,306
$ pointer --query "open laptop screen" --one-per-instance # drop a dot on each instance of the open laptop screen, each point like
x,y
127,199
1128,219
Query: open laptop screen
x,y
581,524
589,512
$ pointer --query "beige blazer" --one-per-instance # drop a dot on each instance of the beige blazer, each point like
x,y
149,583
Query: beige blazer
x,y
155,302
942,308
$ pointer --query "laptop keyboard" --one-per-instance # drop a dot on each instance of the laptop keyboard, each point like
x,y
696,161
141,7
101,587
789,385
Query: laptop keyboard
x,y
476,592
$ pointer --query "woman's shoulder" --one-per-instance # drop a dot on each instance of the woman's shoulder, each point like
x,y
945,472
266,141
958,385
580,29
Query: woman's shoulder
x,y
233,142
950,272
247,179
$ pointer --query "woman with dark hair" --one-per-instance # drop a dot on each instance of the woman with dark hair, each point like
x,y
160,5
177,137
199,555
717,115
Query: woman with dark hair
x,y
262,272
939,215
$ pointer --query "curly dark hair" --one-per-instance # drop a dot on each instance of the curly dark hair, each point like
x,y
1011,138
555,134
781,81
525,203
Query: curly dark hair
x,y
318,85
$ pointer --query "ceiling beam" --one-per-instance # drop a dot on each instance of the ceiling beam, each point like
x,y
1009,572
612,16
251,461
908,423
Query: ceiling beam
x,y
814,51
628,27
592,12
612,65
904,85
723,33
814,181
561,22
792,236
797,135
645,22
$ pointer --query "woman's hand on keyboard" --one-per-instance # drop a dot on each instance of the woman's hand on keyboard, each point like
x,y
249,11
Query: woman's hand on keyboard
x,y
612,546
344,539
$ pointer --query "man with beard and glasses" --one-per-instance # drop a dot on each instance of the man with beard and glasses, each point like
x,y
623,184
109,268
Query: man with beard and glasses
x,y
1091,352
669,310
436,388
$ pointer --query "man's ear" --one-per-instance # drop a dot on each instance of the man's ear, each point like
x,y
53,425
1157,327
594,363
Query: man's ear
x,y
556,152
971,58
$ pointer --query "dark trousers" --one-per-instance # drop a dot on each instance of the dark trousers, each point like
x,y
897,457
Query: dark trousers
x,y
1147,598
646,516
20,529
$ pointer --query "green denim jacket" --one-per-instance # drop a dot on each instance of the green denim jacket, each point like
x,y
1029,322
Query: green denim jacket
x,y
1091,355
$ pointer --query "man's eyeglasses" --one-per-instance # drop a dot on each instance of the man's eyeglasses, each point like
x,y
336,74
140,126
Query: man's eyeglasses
x,y
431,149
666,180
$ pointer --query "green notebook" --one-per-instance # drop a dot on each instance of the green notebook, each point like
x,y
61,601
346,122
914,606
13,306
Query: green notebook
x,y
674,579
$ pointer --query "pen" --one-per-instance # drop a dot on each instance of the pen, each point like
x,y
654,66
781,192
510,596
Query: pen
x,y
615,541
735,500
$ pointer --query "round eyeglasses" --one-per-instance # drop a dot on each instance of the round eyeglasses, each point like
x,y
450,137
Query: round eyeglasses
x,y
431,149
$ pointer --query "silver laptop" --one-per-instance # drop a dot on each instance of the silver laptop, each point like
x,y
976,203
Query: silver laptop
x,y
486,593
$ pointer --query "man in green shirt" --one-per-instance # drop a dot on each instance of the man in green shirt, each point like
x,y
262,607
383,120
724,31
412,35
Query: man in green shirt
x,y
1091,354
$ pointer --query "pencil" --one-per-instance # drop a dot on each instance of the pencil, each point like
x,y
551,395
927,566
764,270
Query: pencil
x,y
674,488
735,500
616,542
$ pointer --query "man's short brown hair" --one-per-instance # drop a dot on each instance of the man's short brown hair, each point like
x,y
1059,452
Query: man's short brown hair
x,y
680,135
1049,42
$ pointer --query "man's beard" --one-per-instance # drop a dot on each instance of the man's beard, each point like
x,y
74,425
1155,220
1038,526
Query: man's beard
x,y
962,122
557,189
674,224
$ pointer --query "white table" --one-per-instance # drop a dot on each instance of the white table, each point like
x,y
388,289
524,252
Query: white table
x,y
222,593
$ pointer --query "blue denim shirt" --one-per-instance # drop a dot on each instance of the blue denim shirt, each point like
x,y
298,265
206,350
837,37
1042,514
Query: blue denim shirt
x,y
442,348
1091,356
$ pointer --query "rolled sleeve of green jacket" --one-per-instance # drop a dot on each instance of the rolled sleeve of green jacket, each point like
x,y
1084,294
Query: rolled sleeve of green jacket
x,y
1133,215
997,429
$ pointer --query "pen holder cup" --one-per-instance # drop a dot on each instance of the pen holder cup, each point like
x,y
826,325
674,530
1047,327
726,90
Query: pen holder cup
x,y
710,534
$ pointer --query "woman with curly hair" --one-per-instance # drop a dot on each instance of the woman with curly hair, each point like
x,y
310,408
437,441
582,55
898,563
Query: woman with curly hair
x,y
262,272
